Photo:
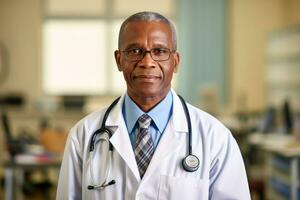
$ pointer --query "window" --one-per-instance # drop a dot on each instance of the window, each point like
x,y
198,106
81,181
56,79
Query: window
x,y
74,49
79,38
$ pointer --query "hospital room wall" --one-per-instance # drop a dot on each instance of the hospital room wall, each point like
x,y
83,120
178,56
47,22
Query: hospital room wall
x,y
20,31
249,22
234,70
202,44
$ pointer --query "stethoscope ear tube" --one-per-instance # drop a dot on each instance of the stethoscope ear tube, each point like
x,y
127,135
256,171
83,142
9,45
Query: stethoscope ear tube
x,y
108,111
101,131
103,128
92,187
106,160
108,132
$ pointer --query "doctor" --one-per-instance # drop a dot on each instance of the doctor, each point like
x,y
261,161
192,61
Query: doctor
x,y
150,133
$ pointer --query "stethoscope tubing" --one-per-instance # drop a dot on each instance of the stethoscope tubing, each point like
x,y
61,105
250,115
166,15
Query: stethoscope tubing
x,y
103,128
190,163
188,119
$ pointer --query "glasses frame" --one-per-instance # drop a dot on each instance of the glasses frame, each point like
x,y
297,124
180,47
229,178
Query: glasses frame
x,y
145,52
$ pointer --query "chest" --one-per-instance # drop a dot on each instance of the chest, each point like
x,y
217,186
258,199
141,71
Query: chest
x,y
165,177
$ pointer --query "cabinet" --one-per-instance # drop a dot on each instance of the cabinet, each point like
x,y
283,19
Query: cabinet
x,y
283,179
282,164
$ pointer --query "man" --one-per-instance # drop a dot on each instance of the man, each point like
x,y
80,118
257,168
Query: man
x,y
150,133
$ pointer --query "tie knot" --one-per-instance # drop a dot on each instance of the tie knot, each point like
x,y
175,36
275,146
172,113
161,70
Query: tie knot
x,y
144,121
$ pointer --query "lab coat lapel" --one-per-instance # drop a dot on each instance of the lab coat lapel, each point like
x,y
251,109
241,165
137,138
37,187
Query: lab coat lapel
x,y
168,144
120,138
170,139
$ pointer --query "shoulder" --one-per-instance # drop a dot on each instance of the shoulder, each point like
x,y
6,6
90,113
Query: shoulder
x,y
211,136
205,120
92,122
209,129
202,122
204,117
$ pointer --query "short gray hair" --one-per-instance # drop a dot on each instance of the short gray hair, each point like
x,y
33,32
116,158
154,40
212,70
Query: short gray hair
x,y
149,16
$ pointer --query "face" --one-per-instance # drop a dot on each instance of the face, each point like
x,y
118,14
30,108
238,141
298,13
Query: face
x,y
147,78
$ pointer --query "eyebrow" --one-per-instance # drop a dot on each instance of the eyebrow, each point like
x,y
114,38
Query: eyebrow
x,y
132,46
136,45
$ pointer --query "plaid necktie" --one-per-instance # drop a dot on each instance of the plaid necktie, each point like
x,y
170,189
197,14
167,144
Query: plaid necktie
x,y
144,147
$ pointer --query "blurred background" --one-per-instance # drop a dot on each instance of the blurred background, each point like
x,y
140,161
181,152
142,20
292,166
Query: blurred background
x,y
240,61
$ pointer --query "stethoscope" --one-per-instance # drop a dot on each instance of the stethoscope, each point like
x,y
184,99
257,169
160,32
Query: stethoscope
x,y
190,163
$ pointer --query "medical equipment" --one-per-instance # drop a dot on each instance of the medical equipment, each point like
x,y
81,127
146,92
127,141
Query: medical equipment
x,y
103,130
190,163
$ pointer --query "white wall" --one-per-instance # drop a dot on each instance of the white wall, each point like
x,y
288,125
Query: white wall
x,y
250,23
20,23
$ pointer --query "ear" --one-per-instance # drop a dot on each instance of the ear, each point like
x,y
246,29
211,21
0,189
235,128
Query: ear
x,y
118,59
176,61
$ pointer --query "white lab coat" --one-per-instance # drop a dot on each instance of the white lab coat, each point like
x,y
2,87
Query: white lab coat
x,y
221,174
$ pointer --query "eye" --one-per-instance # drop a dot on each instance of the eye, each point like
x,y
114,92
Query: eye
x,y
135,51
160,51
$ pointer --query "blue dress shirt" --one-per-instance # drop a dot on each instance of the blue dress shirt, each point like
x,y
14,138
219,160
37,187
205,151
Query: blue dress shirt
x,y
160,116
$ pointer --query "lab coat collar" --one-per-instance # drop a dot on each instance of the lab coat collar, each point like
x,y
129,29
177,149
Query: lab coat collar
x,y
179,118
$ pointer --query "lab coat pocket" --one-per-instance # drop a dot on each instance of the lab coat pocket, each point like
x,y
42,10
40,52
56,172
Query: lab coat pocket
x,y
172,188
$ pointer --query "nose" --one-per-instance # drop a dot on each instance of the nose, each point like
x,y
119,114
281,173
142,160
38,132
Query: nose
x,y
147,60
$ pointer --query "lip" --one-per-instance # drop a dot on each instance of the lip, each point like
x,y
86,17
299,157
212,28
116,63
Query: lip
x,y
146,77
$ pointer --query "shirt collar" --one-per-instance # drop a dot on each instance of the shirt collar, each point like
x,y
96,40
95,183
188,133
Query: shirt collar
x,y
160,114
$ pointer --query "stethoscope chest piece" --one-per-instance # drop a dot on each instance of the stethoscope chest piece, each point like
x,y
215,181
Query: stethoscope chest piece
x,y
190,163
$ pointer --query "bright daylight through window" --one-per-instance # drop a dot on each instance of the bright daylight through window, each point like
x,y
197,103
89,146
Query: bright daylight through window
x,y
79,41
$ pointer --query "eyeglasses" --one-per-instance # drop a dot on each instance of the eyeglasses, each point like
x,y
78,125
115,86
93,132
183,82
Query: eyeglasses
x,y
157,54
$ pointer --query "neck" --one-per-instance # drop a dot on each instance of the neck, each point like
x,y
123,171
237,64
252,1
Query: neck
x,y
146,103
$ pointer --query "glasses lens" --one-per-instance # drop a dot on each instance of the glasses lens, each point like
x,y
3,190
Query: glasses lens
x,y
157,54
160,54
134,54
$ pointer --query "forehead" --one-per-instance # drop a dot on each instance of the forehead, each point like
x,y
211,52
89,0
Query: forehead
x,y
146,33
